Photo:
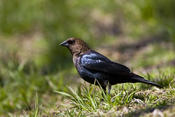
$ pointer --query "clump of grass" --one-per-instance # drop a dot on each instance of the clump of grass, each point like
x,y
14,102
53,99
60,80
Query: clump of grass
x,y
92,99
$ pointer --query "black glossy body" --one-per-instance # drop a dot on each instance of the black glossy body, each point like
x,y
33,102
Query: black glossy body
x,y
94,66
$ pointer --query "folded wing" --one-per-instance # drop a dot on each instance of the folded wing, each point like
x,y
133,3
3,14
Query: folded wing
x,y
97,62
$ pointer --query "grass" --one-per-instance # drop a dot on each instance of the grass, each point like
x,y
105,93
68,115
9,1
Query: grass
x,y
35,72
124,99
26,91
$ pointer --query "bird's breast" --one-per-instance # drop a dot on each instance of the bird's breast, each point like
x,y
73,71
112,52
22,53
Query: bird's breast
x,y
88,75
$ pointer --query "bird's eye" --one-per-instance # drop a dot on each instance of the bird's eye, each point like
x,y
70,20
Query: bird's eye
x,y
71,41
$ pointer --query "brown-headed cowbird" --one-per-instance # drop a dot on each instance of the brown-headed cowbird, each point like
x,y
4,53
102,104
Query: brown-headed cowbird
x,y
93,66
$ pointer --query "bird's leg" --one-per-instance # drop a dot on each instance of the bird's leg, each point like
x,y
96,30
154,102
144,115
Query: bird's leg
x,y
106,83
104,89
103,94
109,88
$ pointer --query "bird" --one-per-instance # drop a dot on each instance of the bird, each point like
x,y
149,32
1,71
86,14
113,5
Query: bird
x,y
97,69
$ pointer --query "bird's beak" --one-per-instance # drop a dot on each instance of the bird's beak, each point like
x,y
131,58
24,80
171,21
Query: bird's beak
x,y
64,43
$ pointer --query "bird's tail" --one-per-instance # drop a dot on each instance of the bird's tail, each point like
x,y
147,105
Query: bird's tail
x,y
141,79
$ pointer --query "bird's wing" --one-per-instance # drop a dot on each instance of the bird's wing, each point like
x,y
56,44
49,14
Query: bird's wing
x,y
97,62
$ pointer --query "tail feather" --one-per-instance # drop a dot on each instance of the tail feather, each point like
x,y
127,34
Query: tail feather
x,y
141,79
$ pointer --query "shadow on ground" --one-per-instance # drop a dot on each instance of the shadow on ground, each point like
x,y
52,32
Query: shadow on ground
x,y
140,112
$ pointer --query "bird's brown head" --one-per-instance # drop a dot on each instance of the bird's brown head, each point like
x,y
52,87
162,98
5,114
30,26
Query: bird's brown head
x,y
75,45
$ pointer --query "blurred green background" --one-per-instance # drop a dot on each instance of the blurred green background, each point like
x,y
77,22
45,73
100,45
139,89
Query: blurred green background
x,y
31,60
